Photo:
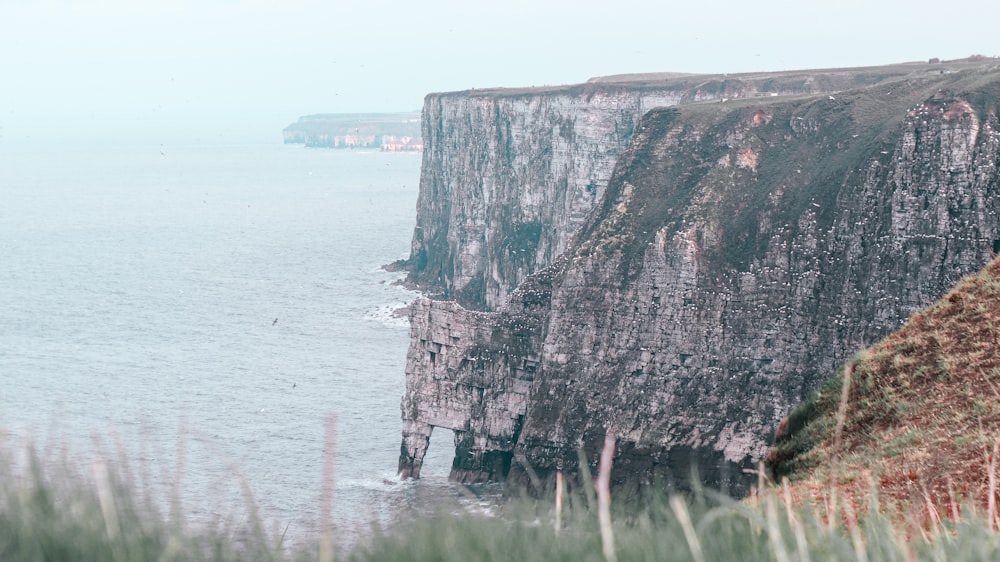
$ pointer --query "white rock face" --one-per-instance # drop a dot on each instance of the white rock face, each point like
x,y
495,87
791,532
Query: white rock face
x,y
471,372
531,169
700,299
509,176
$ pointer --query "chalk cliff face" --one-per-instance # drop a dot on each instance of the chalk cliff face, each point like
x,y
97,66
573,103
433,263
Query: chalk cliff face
x,y
738,254
509,176
473,372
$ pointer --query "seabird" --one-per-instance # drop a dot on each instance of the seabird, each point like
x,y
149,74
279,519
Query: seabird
x,y
275,322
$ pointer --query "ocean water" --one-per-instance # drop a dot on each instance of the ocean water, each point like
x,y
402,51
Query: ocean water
x,y
196,313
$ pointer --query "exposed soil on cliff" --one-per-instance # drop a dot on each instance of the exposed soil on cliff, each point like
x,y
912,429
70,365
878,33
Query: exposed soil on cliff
x,y
915,417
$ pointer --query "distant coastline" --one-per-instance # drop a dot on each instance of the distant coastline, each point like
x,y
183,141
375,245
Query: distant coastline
x,y
389,132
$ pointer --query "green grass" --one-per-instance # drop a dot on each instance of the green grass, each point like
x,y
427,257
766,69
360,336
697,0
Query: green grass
x,y
703,528
53,510
50,511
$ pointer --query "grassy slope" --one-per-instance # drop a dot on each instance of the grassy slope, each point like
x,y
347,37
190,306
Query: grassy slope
x,y
921,418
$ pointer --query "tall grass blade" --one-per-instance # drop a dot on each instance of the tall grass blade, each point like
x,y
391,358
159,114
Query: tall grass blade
x,y
536,482
801,546
326,505
992,499
684,518
604,496
857,539
559,500
586,479
777,540
107,501
176,507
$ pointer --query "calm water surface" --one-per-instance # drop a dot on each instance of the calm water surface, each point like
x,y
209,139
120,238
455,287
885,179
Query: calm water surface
x,y
206,307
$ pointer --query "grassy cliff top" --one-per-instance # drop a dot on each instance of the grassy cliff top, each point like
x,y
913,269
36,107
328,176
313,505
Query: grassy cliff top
x,y
915,417
819,79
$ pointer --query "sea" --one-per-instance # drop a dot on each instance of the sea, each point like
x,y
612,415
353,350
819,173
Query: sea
x,y
215,321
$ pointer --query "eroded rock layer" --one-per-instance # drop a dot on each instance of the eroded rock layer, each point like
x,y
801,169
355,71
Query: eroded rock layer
x,y
509,176
738,255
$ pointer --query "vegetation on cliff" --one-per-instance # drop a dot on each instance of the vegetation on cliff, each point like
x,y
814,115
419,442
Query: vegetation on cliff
x,y
916,417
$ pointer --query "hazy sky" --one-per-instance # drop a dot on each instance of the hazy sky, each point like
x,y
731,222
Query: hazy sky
x,y
205,70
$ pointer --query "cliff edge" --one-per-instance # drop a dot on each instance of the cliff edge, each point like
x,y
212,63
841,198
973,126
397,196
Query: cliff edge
x,y
738,253
510,175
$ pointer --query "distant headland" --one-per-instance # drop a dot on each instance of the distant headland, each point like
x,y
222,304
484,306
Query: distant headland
x,y
389,132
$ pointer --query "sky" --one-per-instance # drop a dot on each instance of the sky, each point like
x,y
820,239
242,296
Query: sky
x,y
226,70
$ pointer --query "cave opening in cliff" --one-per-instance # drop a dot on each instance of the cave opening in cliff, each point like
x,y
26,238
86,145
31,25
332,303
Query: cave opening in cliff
x,y
440,453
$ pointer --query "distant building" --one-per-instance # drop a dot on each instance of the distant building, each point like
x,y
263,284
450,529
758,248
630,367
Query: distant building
x,y
390,132
392,143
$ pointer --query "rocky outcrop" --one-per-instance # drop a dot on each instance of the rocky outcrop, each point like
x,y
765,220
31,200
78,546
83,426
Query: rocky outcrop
x,y
738,254
510,175
472,372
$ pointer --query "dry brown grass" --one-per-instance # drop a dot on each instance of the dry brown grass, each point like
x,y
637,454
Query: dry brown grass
x,y
919,421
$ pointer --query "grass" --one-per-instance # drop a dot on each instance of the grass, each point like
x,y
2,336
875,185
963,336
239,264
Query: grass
x,y
52,512
918,413
700,528
49,511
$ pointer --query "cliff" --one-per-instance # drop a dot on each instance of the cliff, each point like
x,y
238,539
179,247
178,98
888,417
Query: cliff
x,y
510,175
738,253
391,132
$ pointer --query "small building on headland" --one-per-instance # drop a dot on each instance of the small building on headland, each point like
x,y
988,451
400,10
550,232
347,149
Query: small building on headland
x,y
390,132
392,143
